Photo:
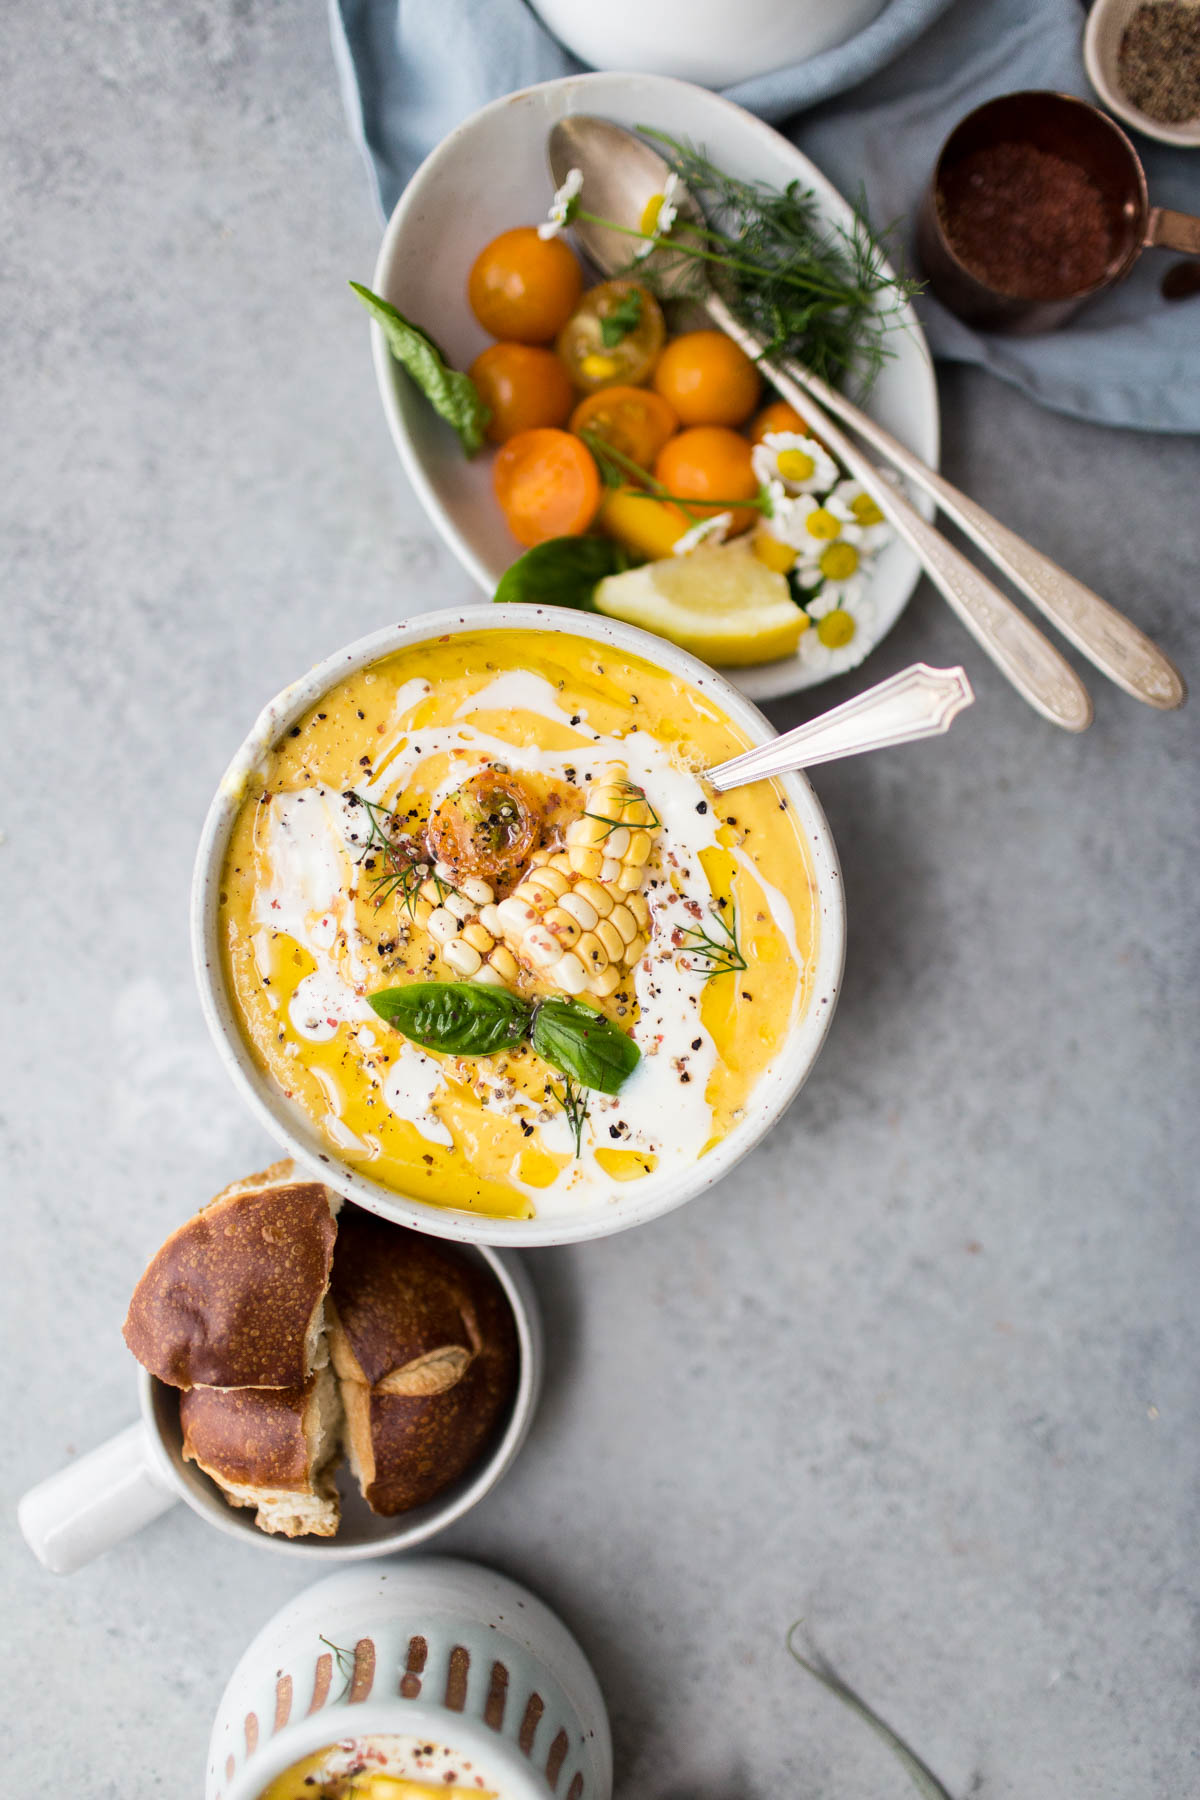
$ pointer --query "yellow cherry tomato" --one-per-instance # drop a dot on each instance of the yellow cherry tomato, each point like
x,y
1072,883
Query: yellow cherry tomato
x,y
709,464
547,484
614,337
524,288
707,379
523,386
777,415
634,421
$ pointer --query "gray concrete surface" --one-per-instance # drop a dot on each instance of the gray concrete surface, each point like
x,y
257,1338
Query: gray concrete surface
x,y
924,1373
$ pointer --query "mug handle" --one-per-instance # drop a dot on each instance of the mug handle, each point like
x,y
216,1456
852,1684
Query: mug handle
x,y
1167,229
92,1504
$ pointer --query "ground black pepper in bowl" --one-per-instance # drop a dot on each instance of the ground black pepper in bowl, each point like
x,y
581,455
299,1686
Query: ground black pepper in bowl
x,y
1028,223
1158,63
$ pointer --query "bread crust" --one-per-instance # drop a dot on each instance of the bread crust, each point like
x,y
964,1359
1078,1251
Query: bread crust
x,y
400,1306
234,1298
271,1448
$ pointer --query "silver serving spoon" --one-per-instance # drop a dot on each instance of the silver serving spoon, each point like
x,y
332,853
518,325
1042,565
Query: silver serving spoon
x,y
919,702
621,174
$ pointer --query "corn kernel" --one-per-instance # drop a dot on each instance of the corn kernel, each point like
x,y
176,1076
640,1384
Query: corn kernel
x,y
605,981
540,947
618,842
608,801
562,862
421,912
586,831
586,862
459,905
476,890
562,925
534,894
461,957
625,922
442,925
504,963
635,951
517,915
611,939
486,976
639,848
581,910
639,906
596,896
555,881
638,813
445,871
610,868
570,973
591,951
430,891
630,878
538,858
475,935
491,920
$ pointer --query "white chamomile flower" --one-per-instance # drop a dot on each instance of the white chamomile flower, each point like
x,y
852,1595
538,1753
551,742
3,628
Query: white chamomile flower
x,y
661,212
564,206
851,503
802,521
837,563
709,531
841,634
796,461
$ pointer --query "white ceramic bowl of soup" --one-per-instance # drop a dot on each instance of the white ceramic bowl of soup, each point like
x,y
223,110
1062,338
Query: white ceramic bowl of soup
x,y
631,1203
491,174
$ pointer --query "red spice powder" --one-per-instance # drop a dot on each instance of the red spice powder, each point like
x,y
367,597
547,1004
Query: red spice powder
x,y
1026,222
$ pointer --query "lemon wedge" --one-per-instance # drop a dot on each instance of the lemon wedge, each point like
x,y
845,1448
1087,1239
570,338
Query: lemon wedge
x,y
721,603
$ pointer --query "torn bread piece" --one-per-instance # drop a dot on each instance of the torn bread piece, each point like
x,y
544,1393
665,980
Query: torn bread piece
x,y
425,1349
235,1298
275,1449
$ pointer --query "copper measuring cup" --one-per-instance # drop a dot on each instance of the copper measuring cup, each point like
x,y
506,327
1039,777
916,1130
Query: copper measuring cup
x,y
1083,135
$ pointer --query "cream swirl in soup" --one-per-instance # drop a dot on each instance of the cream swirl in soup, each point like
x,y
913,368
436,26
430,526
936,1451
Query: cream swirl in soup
x,y
520,814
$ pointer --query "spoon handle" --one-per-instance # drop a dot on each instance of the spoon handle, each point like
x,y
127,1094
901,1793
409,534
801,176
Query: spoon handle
x,y
1111,641
1031,663
919,702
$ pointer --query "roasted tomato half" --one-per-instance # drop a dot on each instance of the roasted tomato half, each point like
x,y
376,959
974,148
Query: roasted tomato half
x,y
489,826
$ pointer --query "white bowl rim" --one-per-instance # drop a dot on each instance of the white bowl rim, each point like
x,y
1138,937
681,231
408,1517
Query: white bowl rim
x,y
1184,136
770,679
776,1087
436,1515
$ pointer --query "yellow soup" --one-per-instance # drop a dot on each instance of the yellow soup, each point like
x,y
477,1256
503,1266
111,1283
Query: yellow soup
x,y
382,1768
519,811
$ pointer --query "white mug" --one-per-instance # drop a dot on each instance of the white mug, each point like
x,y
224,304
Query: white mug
x,y
123,1484
429,1647
713,42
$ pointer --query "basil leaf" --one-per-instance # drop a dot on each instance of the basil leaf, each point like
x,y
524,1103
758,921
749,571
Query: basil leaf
x,y
459,1017
452,395
562,572
584,1044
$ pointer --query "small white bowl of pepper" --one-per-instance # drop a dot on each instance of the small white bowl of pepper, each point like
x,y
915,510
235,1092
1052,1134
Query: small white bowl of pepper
x,y
1143,59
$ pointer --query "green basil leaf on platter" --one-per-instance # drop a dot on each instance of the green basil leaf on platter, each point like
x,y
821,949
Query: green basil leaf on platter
x,y
582,1043
461,1018
562,572
452,395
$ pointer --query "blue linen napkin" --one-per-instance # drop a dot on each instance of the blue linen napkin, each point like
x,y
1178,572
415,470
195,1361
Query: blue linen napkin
x,y
412,69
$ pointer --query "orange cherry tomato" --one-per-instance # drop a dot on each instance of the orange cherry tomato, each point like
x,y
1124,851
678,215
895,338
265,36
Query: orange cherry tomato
x,y
523,386
635,421
547,484
709,463
523,287
707,379
777,416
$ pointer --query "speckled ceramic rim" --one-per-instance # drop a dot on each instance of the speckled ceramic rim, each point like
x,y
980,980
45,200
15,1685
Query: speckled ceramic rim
x,y
776,1088
160,1415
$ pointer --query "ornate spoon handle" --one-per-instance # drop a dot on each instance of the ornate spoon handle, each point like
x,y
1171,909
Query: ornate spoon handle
x,y
1113,642
919,702
1032,664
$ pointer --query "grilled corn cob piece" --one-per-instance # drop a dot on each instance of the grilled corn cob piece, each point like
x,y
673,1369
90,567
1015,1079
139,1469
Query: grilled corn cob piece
x,y
579,916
